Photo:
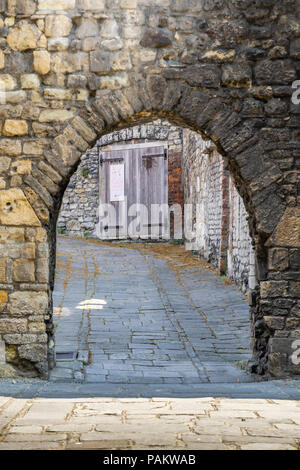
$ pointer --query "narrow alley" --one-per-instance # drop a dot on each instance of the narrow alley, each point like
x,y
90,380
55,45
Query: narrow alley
x,y
146,314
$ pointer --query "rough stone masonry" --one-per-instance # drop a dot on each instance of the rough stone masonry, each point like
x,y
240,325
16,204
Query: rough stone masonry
x,y
72,70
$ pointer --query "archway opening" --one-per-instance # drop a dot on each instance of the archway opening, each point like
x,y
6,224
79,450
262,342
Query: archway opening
x,y
159,309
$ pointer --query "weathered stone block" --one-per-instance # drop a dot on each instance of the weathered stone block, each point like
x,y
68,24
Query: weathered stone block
x,y
30,81
27,250
11,234
41,62
295,48
50,172
84,130
278,259
275,323
3,270
144,56
3,296
33,352
114,44
7,82
57,94
13,325
15,209
33,148
180,5
19,338
205,75
275,107
295,289
155,39
21,167
14,97
24,36
24,270
36,327
277,72
88,27
66,62
58,26
60,115
110,29
21,7
156,86
7,371
292,323
273,289
236,76
56,4
14,127
94,5
121,61
295,259
100,61
28,303
58,44
115,82
287,231
42,270
4,164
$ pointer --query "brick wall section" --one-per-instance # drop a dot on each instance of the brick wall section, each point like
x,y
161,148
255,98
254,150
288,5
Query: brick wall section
x,y
79,210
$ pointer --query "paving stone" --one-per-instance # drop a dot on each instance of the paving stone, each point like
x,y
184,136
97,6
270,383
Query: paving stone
x,y
121,337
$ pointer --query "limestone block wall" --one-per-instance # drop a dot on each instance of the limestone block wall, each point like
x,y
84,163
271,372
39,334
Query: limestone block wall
x,y
221,230
73,70
78,213
240,254
203,171
79,210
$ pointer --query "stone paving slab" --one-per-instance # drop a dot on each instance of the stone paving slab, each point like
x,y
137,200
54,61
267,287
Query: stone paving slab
x,y
184,326
160,423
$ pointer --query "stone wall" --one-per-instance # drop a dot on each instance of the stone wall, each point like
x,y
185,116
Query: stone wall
x,y
79,210
74,70
219,220
78,214
240,254
203,169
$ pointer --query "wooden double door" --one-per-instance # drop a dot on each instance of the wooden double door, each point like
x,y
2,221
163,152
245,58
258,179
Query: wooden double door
x,y
134,193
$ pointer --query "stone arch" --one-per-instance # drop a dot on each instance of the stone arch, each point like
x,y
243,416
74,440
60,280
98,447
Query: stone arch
x,y
70,73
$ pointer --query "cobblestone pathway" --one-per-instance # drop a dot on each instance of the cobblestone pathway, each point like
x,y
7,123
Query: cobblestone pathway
x,y
156,348
132,316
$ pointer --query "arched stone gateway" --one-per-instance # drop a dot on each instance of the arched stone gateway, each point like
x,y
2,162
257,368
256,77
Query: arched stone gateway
x,y
72,70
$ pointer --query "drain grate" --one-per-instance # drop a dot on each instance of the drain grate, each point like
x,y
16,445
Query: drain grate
x,y
65,356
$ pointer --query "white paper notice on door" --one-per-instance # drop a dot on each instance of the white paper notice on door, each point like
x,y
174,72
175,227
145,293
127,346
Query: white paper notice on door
x,y
117,182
